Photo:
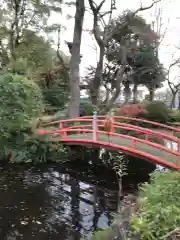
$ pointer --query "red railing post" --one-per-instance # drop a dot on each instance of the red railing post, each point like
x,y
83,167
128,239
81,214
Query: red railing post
x,y
65,134
146,137
97,128
61,126
112,124
178,164
133,144
94,126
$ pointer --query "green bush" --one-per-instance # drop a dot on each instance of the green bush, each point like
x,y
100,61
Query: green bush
x,y
159,211
86,107
21,101
55,98
174,115
156,111
33,149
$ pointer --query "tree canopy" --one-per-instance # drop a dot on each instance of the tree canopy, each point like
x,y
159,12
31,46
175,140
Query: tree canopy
x,y
130,59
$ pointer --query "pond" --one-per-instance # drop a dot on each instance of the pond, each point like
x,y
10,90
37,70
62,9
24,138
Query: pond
x,y
52,202
46,202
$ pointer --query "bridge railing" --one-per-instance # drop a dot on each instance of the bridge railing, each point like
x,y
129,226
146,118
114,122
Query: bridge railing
x,y
128,127
120,118
148,133
66,132
83,122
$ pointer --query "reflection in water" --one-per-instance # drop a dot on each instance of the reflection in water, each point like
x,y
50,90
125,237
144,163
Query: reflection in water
x,y
42,204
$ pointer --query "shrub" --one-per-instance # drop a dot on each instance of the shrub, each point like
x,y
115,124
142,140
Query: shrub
x,y
86,107
55,98
21,101
133,110
174,115
156,111
33,149
159,211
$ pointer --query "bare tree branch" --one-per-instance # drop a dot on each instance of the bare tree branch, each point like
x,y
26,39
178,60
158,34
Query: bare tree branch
x,y
96,28
174,87
100,5
157,25
146,8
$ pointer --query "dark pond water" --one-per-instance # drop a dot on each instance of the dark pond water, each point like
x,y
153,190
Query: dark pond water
x,y
47,202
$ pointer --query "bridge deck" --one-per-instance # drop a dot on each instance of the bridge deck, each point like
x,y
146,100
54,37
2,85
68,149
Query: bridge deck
x,y
122,141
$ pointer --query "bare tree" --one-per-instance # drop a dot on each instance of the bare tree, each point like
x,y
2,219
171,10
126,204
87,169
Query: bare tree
x,y
174,84
102,37
158,24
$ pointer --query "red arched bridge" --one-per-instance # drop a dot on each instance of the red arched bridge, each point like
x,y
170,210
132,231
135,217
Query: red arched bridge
x,y
158,145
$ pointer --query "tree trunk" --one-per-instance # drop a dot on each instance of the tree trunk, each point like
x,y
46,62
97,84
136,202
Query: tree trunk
x,y
127,93
74,77
135,93
151,94
173,100
96,82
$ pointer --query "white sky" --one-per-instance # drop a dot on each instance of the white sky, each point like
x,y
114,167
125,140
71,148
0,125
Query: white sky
x,y
88,47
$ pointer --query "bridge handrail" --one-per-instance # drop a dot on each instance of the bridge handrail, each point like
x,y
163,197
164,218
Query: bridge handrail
x,y
135,128
134,139
174,129
149,131
156,159
143,121
131,127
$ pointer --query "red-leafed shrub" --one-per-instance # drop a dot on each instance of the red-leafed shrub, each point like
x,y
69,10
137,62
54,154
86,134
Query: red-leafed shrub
x,y
131,110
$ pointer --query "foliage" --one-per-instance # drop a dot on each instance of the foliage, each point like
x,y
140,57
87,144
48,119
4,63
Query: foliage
x,y
55,98
107,234
26,55
142,63
33,54
157,111
21,101
17,17
24,51
131,110
86,107
52,77
37,59
159,211
131,59
174,115
33,149
147,69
